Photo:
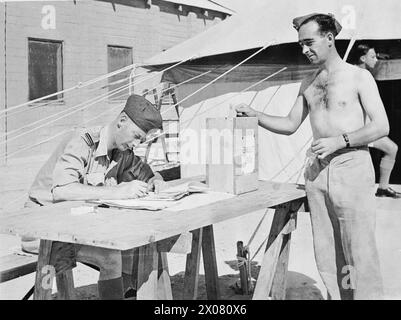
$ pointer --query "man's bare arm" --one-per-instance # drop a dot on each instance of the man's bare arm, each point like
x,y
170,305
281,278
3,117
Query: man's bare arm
x,y
283,125
370,99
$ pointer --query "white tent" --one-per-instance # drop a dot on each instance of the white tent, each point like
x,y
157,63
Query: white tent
x,y
281,158
272,21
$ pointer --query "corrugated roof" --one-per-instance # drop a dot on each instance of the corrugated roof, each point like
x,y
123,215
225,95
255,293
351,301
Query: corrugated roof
x,y
204,4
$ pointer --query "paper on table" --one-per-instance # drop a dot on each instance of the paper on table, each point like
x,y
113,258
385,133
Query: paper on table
x,y
176,192
192,201
162,200
199,199
138,204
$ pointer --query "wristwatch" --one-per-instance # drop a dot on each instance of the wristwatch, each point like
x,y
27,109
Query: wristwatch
x,y
346,139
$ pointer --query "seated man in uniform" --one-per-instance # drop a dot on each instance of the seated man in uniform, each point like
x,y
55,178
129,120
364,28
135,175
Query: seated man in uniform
x,y
98,163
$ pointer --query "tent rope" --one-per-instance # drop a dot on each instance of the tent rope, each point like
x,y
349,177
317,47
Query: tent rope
x,y
85,104
224,101
237,94
78,86
227,72
98,116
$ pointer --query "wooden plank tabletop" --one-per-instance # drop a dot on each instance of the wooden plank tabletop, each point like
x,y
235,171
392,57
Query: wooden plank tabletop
x,y
123,229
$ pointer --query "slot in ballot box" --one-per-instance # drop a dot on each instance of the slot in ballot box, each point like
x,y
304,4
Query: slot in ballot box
x,y
232,154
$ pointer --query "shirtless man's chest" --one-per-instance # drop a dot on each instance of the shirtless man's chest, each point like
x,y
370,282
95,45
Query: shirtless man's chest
x,y
333,102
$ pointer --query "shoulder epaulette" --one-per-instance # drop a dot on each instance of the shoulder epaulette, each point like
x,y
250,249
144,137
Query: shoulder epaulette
x,y
88,139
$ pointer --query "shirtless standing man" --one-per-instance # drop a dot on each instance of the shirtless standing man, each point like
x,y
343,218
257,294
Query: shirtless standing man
x,y
365,57
339,177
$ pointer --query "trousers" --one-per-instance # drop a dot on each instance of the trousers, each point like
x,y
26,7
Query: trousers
x,y
340,191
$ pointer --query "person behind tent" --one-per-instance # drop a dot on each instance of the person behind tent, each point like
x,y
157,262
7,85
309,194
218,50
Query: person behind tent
x,y
98,163
365,57
339,175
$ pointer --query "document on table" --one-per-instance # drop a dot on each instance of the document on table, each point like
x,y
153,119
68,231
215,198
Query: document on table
x,y
164,199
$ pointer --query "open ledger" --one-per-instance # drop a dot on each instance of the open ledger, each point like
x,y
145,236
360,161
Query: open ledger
x,y
157,201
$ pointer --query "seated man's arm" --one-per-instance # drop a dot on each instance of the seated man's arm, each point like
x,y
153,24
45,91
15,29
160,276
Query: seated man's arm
x,y
136,169
369,96
283,125
78,191
142,171
69,173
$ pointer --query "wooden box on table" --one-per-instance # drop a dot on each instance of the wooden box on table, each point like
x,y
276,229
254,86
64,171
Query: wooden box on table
x,y
232,154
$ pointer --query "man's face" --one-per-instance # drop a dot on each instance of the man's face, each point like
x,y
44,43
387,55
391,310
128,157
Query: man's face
x,y
128,135
370,59
315,46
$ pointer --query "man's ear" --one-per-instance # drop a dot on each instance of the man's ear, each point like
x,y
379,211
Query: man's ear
x,y
363,58
121,119
330,38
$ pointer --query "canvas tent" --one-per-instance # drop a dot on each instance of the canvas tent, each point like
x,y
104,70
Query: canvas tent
x,y
221,47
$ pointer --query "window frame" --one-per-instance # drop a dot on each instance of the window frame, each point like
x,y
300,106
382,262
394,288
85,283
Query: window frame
x,y
59,72
117,99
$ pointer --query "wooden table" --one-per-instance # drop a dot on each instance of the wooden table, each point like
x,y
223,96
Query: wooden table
x,y
126,229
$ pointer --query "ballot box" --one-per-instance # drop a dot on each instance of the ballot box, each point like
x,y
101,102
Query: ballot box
x,y
232,154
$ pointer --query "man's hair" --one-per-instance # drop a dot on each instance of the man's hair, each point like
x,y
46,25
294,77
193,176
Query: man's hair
x,y
325,22
359,51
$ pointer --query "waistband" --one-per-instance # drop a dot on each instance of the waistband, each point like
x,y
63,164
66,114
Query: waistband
x,y
351,149
337,153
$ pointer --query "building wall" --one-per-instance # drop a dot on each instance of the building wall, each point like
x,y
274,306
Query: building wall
x,y
2,82
85,28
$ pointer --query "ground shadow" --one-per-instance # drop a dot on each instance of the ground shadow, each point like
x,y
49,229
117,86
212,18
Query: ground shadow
x,y
299,286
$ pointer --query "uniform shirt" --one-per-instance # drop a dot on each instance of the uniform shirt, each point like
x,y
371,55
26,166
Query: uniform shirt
x,y
83,157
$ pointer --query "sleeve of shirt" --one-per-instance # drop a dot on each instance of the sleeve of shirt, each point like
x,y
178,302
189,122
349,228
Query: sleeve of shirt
x,y
141,170
135,169
70,167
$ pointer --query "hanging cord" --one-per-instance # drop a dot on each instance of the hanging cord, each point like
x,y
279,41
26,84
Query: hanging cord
x,y
58,101
164,90
235,95
251,86
82,104
78,86
95,100
33,107
291,160
79,107
98,116
225,73
214,80
67,112
209,83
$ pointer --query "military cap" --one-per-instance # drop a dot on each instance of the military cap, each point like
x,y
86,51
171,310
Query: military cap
x,y
297,22
143,113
